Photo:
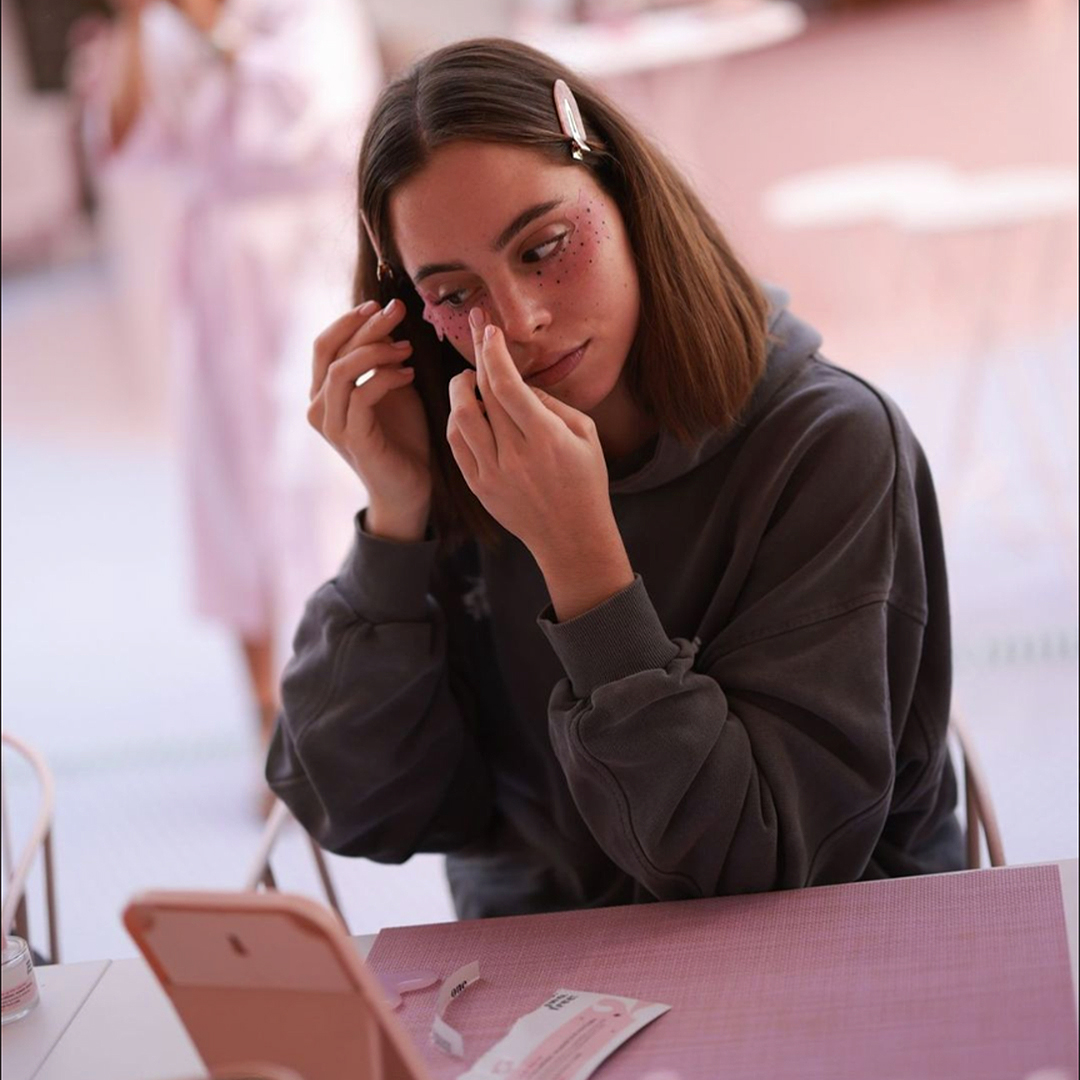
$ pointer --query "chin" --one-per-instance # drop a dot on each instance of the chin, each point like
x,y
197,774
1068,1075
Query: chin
x,y
590,395
584,399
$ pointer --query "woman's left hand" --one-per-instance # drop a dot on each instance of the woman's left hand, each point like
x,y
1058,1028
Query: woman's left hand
x,y
537,466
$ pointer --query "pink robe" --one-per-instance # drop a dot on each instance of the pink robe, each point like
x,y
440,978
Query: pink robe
x,y
236,185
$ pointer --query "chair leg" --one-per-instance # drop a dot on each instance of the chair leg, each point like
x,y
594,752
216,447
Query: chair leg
x,y
974,822
19,922
50,900
995,849
981,818
328,884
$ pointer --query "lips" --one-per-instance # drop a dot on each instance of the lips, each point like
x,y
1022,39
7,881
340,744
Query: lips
x,y
558,370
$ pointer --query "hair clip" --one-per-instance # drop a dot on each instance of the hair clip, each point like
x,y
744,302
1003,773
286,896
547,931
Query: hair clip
x,y
383,269
570,121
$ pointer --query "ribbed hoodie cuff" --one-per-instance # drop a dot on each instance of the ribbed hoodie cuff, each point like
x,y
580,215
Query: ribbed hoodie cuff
x,y
385,580
616,639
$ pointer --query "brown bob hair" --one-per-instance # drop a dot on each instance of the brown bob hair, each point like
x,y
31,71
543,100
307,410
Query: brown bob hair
x,y
701,338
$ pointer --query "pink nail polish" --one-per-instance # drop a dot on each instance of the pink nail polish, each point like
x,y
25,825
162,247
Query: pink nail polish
x,y
489,332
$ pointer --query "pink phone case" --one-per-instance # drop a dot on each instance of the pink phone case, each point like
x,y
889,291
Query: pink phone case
x,y
273,978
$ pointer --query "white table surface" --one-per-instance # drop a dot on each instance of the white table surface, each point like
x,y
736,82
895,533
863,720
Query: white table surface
x,y
63,990
126,1029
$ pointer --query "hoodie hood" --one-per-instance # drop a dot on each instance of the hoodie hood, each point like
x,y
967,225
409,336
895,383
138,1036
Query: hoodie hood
x,y
793,342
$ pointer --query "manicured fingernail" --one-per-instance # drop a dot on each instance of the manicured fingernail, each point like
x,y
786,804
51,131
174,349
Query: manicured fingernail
x,y
367,307
476,318
389,309
402,345
489,332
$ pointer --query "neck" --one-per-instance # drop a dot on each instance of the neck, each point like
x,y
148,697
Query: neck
x,y
622,425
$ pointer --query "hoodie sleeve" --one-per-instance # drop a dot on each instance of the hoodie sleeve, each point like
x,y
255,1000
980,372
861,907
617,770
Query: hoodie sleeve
x,y
764,758
372,752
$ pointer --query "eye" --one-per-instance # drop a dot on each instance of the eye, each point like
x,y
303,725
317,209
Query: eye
x,y
545,250
456,299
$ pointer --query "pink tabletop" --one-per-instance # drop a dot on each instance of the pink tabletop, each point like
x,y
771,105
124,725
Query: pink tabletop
x,y
954,976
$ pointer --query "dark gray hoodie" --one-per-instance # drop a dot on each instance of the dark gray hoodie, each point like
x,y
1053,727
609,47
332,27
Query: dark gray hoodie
x,y
764,708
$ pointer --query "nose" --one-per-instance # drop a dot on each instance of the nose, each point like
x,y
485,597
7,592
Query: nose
x,y
520,311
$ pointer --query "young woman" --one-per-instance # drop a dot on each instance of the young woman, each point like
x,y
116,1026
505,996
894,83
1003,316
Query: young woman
x,y
648,600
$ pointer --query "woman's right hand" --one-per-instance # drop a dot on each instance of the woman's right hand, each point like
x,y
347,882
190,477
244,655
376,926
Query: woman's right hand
x,y
378,427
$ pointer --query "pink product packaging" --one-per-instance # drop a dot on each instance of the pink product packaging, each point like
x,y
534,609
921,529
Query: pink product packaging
x,y
566,1038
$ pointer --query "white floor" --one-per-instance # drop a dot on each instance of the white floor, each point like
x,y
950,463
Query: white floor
x,y
140,708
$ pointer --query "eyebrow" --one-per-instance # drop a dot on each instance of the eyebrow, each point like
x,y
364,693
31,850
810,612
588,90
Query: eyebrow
x,y
526,217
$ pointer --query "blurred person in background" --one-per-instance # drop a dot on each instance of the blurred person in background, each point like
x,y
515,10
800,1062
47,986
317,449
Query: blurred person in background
x,y
252,111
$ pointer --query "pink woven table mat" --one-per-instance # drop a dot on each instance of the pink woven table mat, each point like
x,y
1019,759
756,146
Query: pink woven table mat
x,y
954,976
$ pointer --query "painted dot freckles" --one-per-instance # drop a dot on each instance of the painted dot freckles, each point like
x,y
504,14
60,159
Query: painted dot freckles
x,y
448,322
559,276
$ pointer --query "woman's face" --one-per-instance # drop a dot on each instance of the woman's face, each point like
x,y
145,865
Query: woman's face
x,y
539,246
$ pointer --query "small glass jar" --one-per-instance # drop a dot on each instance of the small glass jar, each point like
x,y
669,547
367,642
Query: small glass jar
x,y
20,991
